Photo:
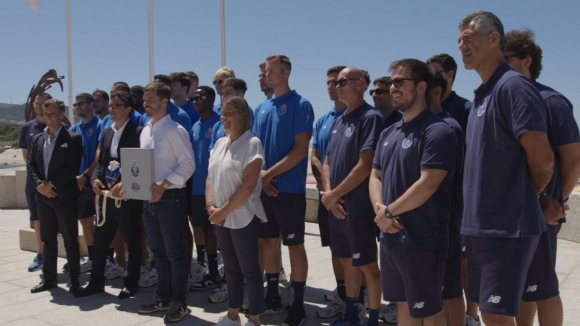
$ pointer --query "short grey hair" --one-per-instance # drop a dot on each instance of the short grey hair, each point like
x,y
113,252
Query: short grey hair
x,y
485,22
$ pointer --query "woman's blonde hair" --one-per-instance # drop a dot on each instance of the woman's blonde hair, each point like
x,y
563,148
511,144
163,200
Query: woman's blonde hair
x,y
242,107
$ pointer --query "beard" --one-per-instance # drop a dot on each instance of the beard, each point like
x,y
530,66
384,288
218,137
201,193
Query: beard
x,y
406,105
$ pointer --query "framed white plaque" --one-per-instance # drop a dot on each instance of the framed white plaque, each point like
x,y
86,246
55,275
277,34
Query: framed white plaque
x,y
137,172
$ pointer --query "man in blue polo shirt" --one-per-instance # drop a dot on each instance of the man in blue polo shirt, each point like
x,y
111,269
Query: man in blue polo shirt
x,y
506,140
383,102
180,85
345,174
541,289
284,125
219,77
29,129
457,106
452,294
317,154
410,186
89,128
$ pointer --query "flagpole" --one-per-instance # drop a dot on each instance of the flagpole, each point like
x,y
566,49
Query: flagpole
x,y
150,14
223,32
69,62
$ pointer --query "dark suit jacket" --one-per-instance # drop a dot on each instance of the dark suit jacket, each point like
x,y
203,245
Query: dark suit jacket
x,y
64,165
129,139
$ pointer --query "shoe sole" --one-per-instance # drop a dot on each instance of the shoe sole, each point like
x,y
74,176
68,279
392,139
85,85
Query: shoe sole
x,y
211,301
152,311
185,313
330,316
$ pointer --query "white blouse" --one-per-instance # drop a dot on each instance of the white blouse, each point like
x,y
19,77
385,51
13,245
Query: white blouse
x,y
226,168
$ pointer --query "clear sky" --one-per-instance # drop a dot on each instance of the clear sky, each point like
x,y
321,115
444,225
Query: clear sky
x,y
109,40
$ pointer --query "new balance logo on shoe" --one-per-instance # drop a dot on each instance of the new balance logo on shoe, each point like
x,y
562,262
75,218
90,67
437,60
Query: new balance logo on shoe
x,y
356,256
532,288
418,305
290,236
494,299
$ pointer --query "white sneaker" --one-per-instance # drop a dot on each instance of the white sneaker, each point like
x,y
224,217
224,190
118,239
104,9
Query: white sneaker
x,y
289,296
362,314
219,294
114,271
148,278
198,272
388,313
334,307
282,277
470,321
86,265
225,321
125,272
332,295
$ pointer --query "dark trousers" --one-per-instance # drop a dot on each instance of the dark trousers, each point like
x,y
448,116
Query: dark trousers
x,y
239,248
128,219
59,215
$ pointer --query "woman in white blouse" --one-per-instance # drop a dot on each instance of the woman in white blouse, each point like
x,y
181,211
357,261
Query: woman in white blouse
x,y
233,203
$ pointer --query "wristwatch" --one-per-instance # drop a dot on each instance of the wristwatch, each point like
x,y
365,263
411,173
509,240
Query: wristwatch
x,y
165,184
388,214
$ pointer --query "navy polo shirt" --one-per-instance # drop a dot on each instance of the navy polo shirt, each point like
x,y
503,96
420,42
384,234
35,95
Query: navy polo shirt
x,y
353,133
29,129
562,130
393,118
322,131
458,108
177,114
500,199
190,110
277,122
201,134
90,133
219,132
134,117
403,150
457,183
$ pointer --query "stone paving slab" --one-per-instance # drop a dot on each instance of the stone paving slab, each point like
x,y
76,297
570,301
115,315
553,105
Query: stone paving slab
x,y
57,307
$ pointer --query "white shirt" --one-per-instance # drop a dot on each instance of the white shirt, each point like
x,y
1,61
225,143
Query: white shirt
x,y
172,151
116,137
226,168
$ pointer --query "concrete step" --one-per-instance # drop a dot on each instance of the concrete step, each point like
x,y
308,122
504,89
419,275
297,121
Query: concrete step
x,y
28,242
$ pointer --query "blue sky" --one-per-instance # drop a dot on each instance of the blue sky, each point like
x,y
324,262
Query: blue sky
x,y
109,40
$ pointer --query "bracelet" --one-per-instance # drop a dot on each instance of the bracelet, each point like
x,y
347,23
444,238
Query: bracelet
x,y
209,204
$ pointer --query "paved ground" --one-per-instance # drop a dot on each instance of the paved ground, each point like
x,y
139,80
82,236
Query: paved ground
x,y
57,307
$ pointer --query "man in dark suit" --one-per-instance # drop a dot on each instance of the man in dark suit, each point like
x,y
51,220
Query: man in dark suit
x,y
53,163
121,134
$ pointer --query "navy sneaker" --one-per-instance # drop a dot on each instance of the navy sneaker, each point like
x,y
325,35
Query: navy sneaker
x,y
36,264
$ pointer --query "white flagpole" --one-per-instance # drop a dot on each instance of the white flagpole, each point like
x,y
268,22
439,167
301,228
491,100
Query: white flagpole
x,y
150,14
223,32
69,62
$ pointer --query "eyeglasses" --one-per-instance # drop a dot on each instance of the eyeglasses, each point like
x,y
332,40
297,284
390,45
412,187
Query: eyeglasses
x,y
78,104
342,82
508,56
378,91
197,98
215,82
398,82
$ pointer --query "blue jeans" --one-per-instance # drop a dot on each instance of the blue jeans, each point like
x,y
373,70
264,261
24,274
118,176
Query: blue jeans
x,y
164,222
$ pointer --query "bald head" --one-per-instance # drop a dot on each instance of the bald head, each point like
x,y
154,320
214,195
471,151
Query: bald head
x,y
351,87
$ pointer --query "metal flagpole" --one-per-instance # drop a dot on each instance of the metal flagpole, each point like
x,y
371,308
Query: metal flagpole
x,y
69,62
223,30
150,14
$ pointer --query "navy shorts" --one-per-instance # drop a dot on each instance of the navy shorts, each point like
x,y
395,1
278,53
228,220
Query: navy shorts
x,y
354,237
323,224
497,272
198,212
452,280
542,281
30,192
413,275
86,204
286,215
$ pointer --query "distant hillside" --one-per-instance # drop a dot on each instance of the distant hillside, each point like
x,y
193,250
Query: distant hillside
x,y
10,112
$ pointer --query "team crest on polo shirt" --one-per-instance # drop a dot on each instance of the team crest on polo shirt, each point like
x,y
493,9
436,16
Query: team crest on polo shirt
x,y
282,109
90,132
348,131
208,133
481,109
407,142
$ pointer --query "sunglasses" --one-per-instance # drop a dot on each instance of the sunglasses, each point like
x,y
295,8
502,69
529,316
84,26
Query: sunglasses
x,y
508,56
197,98
398,82
215,82
78,104
378,91
342,82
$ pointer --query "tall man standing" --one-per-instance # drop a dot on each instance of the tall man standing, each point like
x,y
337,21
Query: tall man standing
x,y
506,140
345,176
541,289
165,213
284,183
53,163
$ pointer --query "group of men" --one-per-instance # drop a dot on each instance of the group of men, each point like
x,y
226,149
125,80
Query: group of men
x,y
460,195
